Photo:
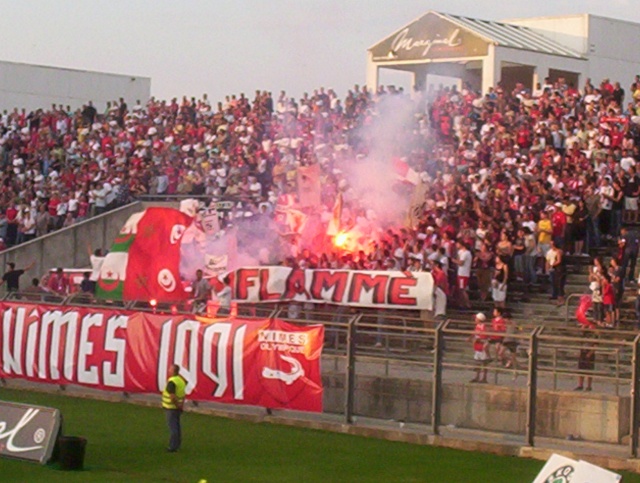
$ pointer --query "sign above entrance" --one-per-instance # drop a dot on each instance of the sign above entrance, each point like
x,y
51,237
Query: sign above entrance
x,y
430,37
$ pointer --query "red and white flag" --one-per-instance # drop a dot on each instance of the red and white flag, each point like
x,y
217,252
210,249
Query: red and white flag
x,y
405,172
144,260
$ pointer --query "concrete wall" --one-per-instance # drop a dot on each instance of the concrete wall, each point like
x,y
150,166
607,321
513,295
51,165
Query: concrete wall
x,y
591,417
569,30
34,86
613,52
608,43
67,248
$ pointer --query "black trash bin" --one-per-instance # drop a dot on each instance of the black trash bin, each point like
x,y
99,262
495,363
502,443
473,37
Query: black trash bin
x,y
72,449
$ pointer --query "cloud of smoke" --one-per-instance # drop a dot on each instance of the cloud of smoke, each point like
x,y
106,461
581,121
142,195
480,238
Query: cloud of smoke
x,y
374,199
247,242
259,241
373,179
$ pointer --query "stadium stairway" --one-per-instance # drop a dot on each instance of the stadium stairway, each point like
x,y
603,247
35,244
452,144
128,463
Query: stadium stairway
x,y
531,306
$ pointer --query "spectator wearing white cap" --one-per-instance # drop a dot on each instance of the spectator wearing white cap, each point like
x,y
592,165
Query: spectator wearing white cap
x,y
480,341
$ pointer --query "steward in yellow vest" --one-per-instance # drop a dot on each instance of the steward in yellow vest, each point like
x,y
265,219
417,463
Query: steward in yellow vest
x,y
172,403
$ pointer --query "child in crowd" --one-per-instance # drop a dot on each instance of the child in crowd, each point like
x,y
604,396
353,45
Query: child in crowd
x,y
480,355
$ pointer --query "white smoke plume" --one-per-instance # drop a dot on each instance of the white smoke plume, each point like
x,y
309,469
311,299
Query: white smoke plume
x,y
372,179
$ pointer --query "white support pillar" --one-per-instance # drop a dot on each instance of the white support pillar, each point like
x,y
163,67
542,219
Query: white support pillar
x,y
372,73
540,73
491,69
420,78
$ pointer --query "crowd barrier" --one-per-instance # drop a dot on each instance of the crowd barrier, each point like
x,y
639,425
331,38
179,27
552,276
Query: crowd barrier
x,y
263,362
402,368
392,365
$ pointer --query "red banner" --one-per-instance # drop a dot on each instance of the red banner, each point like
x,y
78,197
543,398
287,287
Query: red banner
x,y
267,363
356,288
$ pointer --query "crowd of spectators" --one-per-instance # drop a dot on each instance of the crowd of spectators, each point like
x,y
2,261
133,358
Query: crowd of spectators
x,y
511,182
516,184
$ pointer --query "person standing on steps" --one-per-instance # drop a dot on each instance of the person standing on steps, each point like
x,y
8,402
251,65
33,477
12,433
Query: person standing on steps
x,y
499,282
441,290
484,266
556,270
586,363
617,281
629,244
201,291
480,356
510,344
463,261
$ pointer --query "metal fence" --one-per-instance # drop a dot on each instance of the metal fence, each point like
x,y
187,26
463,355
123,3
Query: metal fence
x,y
404,369
392,366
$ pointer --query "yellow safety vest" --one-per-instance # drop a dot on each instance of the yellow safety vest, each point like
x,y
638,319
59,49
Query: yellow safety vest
x,y
180,392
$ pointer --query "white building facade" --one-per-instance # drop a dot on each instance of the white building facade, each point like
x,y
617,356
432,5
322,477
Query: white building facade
x,y
483,53
34,86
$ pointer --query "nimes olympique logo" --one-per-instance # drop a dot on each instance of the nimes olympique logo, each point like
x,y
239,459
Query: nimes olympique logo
x,y
561,475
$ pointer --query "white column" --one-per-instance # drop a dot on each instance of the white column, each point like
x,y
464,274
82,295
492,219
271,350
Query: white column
x,y
536,79
372,73
491,69
420,77
539,74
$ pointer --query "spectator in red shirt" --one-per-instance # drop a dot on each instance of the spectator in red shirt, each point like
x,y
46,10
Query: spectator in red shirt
x,y
480,355
559,222
12,224
498,325
59,283
441,291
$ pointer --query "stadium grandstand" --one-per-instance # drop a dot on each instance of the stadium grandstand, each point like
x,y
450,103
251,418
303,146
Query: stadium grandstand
x,y
507,175
512,197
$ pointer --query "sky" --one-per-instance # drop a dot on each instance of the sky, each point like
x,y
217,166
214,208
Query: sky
x,y
220,47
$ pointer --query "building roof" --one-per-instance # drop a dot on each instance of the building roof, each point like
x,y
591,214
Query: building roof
x,y
492,32
510,35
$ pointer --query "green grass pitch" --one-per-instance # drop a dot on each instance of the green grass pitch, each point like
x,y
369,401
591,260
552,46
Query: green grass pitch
x,y
127,443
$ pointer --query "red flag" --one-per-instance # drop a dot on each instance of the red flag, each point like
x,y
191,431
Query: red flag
x,y
153,265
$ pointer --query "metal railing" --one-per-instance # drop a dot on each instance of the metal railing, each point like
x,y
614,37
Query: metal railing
x,y
439,354
395,367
